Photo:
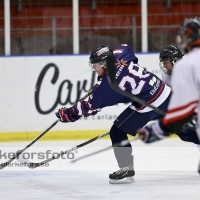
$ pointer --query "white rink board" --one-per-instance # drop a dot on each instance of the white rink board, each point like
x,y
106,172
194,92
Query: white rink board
x,y
18,79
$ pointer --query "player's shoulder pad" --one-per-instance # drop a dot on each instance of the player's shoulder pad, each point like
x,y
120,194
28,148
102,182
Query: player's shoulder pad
x,y
125,53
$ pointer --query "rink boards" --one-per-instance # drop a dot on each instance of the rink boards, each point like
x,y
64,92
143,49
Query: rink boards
x,y
33,88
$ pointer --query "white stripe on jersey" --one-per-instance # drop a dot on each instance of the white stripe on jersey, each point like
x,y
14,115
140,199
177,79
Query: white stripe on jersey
x,y
80,112
79,108
163,96
98,82
117,51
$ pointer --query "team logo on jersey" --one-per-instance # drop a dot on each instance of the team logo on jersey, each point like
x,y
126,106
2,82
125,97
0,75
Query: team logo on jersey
x,y
120,63
155,83
152,81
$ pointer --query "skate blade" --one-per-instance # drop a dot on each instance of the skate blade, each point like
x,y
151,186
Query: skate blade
x,y
122,181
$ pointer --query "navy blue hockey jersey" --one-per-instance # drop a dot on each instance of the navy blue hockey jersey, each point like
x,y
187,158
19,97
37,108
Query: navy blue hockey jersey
x,y
130,77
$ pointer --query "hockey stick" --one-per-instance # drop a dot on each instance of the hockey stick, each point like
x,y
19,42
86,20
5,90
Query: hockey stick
x,y
115,86
35,165
120,144
19,152
30,144
111,75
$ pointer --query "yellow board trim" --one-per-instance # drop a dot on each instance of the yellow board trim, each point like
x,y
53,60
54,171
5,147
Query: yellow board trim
x,y
54,135
51,135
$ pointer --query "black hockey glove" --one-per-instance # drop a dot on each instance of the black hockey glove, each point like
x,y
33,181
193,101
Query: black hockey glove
x,y
67,115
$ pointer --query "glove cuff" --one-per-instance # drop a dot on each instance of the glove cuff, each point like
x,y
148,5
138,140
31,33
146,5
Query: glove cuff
x,y
157,130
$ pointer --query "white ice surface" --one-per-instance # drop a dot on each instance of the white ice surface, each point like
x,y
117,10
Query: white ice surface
x,y
164,170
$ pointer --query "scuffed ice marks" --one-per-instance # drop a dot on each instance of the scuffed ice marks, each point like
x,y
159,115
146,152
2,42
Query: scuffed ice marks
x,y
22,175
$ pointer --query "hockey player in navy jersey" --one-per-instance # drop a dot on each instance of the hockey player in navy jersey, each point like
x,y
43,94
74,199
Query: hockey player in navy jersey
x,y
132,78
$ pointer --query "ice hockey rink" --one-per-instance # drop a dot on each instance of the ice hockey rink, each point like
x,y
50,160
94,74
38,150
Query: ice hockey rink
x,y
164,170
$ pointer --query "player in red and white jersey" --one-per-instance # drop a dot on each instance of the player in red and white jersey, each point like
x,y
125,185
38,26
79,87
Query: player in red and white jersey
x,y
185,83
185,86
168,57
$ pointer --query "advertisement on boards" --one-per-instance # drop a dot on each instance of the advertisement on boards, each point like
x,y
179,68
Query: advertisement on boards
x,y
33,88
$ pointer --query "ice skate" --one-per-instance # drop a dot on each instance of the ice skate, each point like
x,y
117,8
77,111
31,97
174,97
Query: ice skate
x,y
123,175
